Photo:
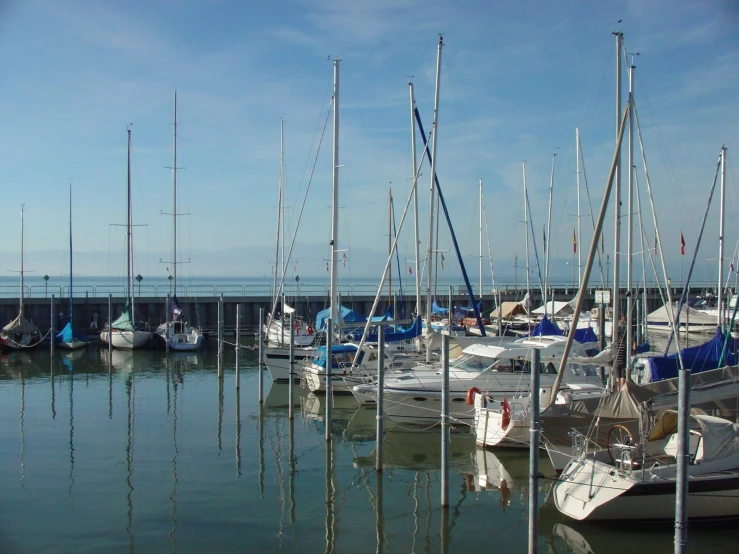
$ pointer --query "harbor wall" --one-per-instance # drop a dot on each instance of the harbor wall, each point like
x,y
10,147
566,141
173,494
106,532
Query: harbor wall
x,y
203,311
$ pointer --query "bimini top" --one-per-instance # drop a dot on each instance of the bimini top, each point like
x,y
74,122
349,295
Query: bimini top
x,y
497,352
341,354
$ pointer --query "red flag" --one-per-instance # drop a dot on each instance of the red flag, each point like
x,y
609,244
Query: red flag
x,y
682,244
410,270
731,267
442,261
574,242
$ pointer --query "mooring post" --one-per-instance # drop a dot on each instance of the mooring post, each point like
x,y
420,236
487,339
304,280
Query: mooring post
x,y
51,332
380,395
110,326
290,410
534,452
237,342
260,383
445,420
329,371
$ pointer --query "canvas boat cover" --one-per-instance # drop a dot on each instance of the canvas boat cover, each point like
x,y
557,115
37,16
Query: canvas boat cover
x,y
547,328
555,307
436,309
392,335
68,334
20,326
720,437
508,310
696,358
661,316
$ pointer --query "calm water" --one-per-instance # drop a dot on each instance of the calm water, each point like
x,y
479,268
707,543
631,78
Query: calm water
x,y
149,454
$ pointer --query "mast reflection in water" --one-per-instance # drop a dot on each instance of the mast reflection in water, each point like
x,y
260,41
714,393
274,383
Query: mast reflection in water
x,y
158,454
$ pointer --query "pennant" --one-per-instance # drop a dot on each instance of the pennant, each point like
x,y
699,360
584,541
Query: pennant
x,y
442,261
731,267
544,232
410,270
682,244
344,259
574,242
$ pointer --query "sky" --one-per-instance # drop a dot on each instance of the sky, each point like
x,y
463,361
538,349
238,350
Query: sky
x,y
517,78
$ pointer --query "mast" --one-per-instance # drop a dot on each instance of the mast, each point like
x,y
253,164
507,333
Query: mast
x,y
71,293
579,231
617,200
434,130
281,220
721,242
547,245
129,225
630,233
480,240
279,226
415,198
390,245
526,223
20,309
174,198
335,200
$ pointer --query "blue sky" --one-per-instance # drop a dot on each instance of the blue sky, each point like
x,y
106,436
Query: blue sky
x,y
517,78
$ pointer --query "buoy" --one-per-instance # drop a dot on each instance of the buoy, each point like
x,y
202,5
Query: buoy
x,y
471,395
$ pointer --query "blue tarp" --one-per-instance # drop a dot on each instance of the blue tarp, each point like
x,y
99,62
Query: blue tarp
x,y
696,358
348,316
341,355
585,335
67,334
549,328
436,309
392,335
466,311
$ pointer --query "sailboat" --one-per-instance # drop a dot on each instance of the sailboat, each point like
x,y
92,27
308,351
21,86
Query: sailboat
x,y
124,333
176,333
20,333
67,338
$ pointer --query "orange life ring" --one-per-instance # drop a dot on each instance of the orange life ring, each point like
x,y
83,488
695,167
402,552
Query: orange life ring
x,y
471,395
507,413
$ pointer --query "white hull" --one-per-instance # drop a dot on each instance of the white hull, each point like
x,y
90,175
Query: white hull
x,y
186,341
278,335
126,340
277,361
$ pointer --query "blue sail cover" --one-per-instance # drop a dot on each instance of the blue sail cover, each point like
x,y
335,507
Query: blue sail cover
x,y
340,353
67,334
697,358
393,335
549,328
175,309
348,316
436,309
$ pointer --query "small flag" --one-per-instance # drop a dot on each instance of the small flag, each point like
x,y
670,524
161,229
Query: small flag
x,y
682,244
344,259
410,270
574,242
442,261
731,267
544,232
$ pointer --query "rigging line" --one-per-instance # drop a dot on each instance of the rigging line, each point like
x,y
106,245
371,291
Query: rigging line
x,y
536,251
599,254
302,207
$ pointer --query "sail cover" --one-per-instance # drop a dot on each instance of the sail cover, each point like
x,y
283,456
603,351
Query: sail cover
x,y
696,358
68,334
21,326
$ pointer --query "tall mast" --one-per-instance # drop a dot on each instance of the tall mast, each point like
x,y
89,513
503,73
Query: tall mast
x,y
630,231
71,293
579,231
617,200
174,197
415,198
129,224
480,239
20,309
275,292
721,241
434,131
335,200
281,219
390,245
547,245
526,223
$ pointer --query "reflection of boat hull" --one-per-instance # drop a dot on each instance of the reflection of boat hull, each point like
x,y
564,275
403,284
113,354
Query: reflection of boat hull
x,y
125,339
277,361
421,451
19,342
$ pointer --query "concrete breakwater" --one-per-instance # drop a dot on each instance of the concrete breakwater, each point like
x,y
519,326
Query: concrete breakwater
x,y
203,311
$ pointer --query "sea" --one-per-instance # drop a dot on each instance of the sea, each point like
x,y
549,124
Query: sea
x,y
145,452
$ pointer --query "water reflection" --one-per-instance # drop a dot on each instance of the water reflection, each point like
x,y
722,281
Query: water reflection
x,y
130,395
175,454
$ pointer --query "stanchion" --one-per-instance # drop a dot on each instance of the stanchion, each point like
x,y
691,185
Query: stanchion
x,y
237,342
260,383
290,409
380,395
329,371
445,420
534,452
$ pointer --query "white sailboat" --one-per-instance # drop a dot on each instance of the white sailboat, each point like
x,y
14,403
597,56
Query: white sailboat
x,y
176,333
67,339
20,333
124,333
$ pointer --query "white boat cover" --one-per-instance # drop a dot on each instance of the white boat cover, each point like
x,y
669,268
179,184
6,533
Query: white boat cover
x,y
555,307
687,315
720,437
